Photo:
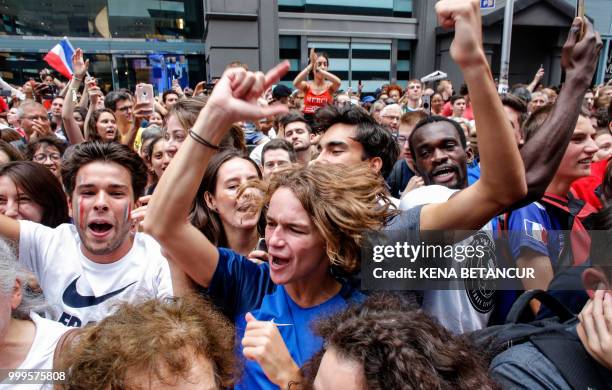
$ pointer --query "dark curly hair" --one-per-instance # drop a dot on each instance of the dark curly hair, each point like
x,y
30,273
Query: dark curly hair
x,y
400,348
158,338
89,152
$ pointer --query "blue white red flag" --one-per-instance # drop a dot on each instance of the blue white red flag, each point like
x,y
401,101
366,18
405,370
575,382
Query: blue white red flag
x,y
60,57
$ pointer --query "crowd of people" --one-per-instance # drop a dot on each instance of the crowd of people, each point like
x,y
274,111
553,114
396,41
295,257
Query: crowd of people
x,y
214,238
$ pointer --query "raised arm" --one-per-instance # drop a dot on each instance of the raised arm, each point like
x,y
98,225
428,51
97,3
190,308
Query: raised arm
x,y
335,80
536,80
79,68
502,180
234,99
543,152
300,80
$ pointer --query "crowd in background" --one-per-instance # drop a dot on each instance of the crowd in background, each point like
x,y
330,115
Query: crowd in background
x,y
213,237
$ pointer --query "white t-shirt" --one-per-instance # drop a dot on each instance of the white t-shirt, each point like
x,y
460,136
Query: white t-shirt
x,y
40,355
461,310
79,290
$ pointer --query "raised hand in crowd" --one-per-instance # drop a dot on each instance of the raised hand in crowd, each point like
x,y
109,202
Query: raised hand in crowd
x,y
502,180
536,79
41,129
79,68
545,149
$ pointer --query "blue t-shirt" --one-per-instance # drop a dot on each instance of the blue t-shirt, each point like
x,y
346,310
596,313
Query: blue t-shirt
x,y
241,286
473,172
535,228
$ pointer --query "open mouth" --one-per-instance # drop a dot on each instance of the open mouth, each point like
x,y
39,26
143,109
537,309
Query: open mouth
x,y
278,262
585,161
444,174
100,228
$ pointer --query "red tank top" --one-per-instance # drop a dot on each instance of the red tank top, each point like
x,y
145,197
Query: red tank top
x,y
313,102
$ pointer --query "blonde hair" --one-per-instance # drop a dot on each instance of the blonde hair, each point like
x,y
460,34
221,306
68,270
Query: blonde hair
x,y
158,337
343,203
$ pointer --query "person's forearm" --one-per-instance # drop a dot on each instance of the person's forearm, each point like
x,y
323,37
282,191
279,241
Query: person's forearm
x,y
73,132
179,184
502,169
542,154
86,128
335,80
84,101
301,77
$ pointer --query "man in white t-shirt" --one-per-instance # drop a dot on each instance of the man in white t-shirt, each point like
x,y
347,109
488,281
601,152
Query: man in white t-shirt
x,y
86,268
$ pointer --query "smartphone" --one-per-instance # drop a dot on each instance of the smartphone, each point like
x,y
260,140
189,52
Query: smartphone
x,y
426,104
144,94
261,245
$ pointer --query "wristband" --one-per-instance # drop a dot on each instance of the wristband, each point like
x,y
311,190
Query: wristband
x,y
201,140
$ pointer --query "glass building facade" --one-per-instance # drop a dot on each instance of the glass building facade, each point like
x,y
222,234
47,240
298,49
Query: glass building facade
x,y
371,56
127,41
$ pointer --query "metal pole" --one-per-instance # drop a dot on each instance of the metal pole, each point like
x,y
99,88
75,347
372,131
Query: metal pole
x,y
506,42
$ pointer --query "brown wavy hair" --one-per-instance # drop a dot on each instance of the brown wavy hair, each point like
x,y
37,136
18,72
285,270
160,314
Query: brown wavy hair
x,y
91,132
344,204
161,338
400,348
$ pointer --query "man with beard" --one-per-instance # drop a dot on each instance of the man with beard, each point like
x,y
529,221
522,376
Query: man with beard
x,y
85,269
298,133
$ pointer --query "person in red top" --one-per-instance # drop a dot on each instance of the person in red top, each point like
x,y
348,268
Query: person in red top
x,y
319,91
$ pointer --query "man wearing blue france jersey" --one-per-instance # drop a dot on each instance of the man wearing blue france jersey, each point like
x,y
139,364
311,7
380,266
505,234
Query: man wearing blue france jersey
x,y
535,231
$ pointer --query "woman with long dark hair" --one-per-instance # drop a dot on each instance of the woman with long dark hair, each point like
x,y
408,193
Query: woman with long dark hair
x,y
29,191
218,212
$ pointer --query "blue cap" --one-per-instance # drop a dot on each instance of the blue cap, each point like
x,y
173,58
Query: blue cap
x,y
368,99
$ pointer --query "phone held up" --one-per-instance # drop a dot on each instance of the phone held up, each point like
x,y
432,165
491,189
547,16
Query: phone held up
x,y
144,94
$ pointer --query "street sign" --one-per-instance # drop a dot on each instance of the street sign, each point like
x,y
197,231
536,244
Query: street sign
x,y
487,4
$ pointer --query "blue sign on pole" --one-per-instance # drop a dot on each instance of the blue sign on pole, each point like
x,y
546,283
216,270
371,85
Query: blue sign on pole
x,y
485,4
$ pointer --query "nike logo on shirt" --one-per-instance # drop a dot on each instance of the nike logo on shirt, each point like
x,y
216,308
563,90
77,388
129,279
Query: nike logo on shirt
x,y
73,299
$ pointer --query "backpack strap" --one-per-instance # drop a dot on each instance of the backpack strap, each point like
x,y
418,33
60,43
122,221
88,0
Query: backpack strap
x,y
521,311
575,365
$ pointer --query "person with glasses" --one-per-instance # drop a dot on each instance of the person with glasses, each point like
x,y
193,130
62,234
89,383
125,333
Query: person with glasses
x,y
390,116
47,151
33,119
403,171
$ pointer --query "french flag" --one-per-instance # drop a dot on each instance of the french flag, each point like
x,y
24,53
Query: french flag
x,y
60,57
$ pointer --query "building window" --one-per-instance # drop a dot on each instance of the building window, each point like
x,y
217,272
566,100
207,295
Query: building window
x,y
338,53
404,53
152,19
397,8
370,64
289,49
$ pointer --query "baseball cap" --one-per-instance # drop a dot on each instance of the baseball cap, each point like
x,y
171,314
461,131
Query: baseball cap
x,y
280,91
368,99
